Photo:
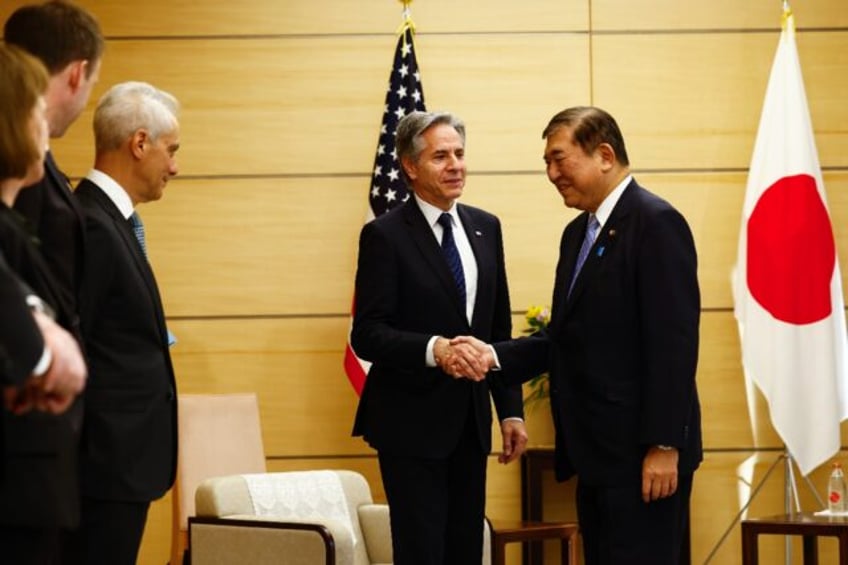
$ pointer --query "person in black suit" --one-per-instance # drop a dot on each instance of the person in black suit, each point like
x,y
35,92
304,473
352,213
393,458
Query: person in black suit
x,y
431,429
621,348
68,41
129,442
38,496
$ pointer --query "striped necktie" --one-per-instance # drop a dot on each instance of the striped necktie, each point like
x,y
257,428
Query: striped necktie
x,y
451,253
138,229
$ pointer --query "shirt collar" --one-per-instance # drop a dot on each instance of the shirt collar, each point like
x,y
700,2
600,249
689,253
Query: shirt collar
x,y
113,190
432,214
605,209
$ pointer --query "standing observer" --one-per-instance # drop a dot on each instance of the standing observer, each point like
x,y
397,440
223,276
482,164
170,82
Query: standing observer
x,y
621,347
429,270
38,495
129,445
69,43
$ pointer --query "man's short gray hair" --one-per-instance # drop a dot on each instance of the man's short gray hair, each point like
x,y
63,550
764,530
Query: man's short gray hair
x,y
130,106
408,140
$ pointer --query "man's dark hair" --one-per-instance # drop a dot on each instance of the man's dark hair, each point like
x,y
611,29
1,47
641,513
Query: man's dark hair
x,y
590,126
57,32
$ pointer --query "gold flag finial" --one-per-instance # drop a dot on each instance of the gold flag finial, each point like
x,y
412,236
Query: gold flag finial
x,y
788,18
407,23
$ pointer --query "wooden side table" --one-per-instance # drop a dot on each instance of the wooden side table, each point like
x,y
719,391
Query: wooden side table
x,y
510,532
807,525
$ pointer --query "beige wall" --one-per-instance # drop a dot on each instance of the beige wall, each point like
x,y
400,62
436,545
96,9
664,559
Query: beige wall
x,y
254,245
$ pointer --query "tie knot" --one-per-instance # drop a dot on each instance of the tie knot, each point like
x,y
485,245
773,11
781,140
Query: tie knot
x,y
135,220
445,221
593,226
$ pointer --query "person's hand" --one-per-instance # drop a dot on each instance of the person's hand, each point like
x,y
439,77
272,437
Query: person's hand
x,y
514,440
461,361
659,473
65,379
483,349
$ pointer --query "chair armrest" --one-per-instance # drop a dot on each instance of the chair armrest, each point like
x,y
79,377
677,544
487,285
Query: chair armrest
x,y
257,540
377,531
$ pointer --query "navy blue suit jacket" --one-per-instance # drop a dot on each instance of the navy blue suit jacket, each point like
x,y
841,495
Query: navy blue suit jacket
x,y
405,294
622,350
129,440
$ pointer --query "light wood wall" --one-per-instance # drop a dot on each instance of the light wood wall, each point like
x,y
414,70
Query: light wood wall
x,y
254,245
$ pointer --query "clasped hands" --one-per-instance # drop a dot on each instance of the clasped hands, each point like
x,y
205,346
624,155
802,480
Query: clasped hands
x,y
464,357
54,391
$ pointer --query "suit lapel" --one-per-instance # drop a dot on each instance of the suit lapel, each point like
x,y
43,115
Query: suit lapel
x,y
422,235
125,232
612,229
481,246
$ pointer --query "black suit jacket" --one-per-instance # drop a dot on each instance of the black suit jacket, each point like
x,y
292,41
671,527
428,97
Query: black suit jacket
x,y
623,348
57,219
40,486
129,440
405,294
21,344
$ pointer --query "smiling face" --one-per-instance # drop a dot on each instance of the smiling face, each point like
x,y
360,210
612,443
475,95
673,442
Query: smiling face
x,y
438,175
578,176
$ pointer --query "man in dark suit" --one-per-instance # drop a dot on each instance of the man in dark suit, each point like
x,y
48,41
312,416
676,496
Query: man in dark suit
x,y
68,41
129,442
621,347
420,281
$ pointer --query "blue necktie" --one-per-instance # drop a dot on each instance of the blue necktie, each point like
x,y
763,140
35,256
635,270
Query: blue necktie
x,y
591,231
138,228
451,254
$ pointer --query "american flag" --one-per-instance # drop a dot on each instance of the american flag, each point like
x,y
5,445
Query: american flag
x,y
388,188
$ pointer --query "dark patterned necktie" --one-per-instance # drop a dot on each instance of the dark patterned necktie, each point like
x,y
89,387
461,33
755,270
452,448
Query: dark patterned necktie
x,y
138,229
591,231
451,254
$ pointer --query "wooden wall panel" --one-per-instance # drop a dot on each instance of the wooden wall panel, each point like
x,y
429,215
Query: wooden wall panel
x,y
717,15
294,366
182,18
694,100
255,245
302,105
263,247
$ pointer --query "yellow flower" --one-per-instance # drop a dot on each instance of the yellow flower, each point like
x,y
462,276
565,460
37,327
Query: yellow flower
x,y
537,388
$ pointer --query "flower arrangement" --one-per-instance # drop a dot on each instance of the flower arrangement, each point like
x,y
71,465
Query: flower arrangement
x,y
537,388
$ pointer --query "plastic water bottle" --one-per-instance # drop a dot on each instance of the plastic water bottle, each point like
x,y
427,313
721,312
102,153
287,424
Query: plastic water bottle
x,y
836,489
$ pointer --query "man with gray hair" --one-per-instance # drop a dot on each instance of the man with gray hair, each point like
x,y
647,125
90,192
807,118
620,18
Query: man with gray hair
x,y
430,270
129,447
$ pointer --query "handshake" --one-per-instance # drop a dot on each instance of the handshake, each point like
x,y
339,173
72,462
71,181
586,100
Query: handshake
x,y
464,357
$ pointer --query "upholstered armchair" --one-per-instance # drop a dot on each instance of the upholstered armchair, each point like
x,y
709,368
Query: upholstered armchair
x,y
297,518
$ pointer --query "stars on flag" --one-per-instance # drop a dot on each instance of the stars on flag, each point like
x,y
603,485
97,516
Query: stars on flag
x,y
403,95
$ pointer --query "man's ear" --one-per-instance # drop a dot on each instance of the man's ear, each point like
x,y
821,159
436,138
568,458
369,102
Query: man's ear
x,y
607,156
76,71
138,143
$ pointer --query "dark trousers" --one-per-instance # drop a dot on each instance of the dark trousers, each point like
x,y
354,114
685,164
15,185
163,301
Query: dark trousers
x,y
618,528
110,533
30,546
437,506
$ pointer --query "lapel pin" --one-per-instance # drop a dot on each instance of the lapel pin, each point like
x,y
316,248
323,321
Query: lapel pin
x,y
600,252
612,233
478,233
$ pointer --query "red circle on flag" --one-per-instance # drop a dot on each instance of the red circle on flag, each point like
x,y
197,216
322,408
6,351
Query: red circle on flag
x,y
791,251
